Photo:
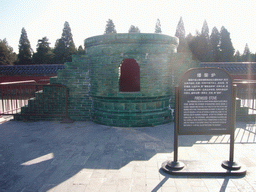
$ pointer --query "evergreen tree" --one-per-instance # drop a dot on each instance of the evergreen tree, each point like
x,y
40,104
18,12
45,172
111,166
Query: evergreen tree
x,y
180,30
158,27
25,51
59,52
7,56
215,43
237,57
189,38
254,57
65,47
67,36
226,48
67,39
205,30
44,54
206,43
246,57
110,27
199,47
134,29
80,50
181,34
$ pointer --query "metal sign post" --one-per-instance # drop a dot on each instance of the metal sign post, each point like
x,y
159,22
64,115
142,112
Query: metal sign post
x,y
205,102
231,165
175,164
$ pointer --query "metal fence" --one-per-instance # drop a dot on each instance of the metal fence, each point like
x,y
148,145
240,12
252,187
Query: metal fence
x,y
40,100
246,93
53,98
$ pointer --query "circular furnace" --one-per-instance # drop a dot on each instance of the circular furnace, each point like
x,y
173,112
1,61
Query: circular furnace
x,y
130,78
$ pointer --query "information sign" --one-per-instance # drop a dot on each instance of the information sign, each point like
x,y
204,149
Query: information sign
x,y
205,102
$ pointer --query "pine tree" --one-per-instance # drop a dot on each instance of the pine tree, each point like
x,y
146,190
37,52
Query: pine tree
x,y
206,43
180,33
226,48
67,36
254,57
44,54
80,50
134,29
7,56
65,47
158,27
246,57
199,47
180,30
215,43
237,57
205,30
25,51
59,52
189,38
110,27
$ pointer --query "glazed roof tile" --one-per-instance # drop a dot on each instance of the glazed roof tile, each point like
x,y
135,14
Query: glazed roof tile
x,y
30,69
233,67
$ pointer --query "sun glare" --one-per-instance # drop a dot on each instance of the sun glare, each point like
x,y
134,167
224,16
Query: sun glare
x,y
39,159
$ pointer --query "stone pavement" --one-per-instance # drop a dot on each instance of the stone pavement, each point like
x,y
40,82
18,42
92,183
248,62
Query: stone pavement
x,y
84,156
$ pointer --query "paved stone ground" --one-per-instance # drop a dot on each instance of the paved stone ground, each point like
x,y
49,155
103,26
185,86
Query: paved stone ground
x,y
84,156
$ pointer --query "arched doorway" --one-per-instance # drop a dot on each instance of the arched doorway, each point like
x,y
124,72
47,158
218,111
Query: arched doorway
x,y
129,76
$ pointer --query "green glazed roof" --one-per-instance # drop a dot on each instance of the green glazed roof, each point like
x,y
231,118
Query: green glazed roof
x,y
128,38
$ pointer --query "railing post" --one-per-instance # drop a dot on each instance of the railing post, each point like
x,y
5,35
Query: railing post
x,y
13,90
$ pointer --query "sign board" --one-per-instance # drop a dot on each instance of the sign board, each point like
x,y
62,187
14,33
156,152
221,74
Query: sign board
x,y
205,96
204,104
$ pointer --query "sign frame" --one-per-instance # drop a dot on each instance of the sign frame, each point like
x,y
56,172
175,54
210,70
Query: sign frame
x,y
202,123
175,166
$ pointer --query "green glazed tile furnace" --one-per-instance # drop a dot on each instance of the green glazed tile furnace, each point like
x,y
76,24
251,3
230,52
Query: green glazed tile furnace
x,y
124,80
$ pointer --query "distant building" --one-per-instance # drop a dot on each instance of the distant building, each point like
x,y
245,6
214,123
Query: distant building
x,y
39,73
237,70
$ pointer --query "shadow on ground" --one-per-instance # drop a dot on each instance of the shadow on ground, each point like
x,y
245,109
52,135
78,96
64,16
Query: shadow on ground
x,y
37,156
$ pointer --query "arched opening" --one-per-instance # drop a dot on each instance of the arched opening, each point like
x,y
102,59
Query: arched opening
x,y
129,76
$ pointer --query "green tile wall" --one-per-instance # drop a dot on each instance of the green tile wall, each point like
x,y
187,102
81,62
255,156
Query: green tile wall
x,y
154,54
93,80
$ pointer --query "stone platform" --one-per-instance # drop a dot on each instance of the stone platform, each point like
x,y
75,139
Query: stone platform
x,y
84,156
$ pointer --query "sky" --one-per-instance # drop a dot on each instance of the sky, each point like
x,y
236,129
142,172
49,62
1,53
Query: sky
x,y
88,18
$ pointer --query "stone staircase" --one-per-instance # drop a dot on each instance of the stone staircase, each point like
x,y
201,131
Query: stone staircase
x,y
48,101
48,104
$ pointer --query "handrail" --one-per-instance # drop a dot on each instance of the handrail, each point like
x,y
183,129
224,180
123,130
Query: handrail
x,y
17,95
244,81
18,82
246,94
